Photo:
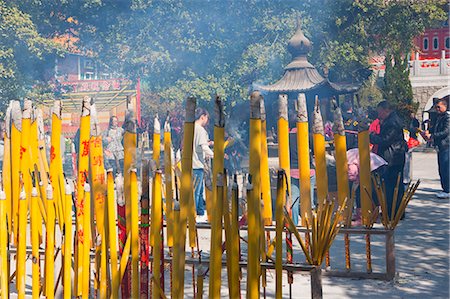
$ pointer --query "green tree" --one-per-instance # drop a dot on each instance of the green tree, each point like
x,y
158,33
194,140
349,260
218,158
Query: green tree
x,y
22,53
224,47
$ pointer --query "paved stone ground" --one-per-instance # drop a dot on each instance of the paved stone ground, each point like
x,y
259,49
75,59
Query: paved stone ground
x,y
421,249
422,252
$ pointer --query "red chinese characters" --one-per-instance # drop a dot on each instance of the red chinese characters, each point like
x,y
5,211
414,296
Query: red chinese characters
x,y
100,178
52,154
85,150
22,150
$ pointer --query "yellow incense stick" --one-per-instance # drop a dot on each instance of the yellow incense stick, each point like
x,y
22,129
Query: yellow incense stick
x,y
235,290
283,144
265,174
35,222
21,246
134,234
6,170
340,145
86,242
55,158
81,205
4,276
185,193
50,246
157,220
112,229
156,156
215,263
253,201
303,158
319,153
176,250
168,181
364,175
68,243
279,218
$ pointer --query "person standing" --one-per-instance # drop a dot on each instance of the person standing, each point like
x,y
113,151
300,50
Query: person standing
x,y
414,126
112,140
413,131
439,133
201,153
392,148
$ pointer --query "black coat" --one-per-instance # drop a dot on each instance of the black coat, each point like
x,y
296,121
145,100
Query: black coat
x,y
440,131
391,143
351,127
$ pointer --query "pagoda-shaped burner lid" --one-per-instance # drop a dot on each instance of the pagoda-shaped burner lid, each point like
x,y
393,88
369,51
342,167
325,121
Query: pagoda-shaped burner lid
x,y
300,75
299,44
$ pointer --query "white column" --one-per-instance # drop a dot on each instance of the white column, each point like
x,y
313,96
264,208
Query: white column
x,y
443,70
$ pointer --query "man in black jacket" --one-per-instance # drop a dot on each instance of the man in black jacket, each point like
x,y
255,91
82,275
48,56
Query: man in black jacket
x,y
392,148
440,135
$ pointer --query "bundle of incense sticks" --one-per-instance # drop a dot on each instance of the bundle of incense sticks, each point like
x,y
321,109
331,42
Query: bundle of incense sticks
x,y
321,230
391,222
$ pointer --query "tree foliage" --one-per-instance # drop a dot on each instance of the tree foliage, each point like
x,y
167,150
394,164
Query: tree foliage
x,y
23,50
212,47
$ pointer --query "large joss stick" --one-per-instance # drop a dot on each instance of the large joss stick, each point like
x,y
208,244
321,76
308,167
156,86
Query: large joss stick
x,y
303,158
49,250
179,257
265,174
156,155
279,218
253,201
134,204
23,202
156,158
6,170
144,231
319,153
21,244
168,181
283,144
43,166
87,242
232,247
83,166
176,249
364,172
215,264
235,288
112,229
156,141
129,160
340,146
98,192
34,162
68,243
55,157
35,222
157,227
119,200
16,135
4,276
